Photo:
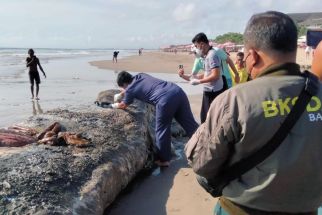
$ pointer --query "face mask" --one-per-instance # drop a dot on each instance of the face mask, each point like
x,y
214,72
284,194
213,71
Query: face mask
x,y
198,53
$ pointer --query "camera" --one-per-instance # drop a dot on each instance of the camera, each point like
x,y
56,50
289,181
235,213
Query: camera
x,y
180,66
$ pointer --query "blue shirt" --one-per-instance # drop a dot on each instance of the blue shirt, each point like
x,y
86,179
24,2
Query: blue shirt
x,y
148,89
222,55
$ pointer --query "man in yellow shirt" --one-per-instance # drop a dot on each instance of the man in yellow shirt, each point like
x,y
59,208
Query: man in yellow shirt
x,y
241,69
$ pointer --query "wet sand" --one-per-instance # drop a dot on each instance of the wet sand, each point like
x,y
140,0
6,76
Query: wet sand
x,y
173,192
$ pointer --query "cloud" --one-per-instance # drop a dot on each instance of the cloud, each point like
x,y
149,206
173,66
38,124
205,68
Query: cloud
x,y
266,4
89,39
184,12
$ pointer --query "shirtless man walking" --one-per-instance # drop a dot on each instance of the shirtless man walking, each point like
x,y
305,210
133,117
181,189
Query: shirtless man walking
x,y
32,61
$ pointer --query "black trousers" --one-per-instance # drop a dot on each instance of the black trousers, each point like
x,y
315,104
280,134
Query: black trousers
x,y
207,98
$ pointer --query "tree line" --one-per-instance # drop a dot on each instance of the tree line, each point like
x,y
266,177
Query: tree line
x,y
238,37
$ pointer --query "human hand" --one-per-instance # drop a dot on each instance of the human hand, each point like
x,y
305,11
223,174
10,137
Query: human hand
x,y
45,75
181,72
115,105
118,97
194,82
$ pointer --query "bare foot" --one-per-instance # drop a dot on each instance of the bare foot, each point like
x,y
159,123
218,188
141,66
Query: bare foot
x,y
162,164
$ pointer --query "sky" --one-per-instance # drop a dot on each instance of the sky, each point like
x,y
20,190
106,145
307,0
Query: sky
x,y
122,24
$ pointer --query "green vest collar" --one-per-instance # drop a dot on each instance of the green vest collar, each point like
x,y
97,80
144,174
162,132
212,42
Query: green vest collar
x,y
281,69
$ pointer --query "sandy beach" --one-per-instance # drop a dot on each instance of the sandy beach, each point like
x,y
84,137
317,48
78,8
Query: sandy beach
x,y
167,62
154,62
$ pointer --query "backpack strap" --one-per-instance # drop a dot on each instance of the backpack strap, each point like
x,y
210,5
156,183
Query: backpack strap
x,y
310,89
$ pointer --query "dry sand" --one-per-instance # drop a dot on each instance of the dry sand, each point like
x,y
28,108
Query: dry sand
x,y
164,62
175,191
157,62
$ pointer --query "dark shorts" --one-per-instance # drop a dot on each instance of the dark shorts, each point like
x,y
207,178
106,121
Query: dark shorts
x,y
34,77
207,98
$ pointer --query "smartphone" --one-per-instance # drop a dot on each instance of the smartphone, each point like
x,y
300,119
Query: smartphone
x,y
180,66
313,37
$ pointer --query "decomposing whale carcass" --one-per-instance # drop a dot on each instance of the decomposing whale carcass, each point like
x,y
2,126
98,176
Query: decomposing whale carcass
x,y
17,136
55,135
48,177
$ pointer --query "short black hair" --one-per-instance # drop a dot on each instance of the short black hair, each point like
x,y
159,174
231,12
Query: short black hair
x,y
31,51
201,37
241,54
124,78
271,30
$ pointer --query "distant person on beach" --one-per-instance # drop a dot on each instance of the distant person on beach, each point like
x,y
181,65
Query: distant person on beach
x,y
170,102
140,51
211,78
115,53
308,51
241,69
244,118
32,62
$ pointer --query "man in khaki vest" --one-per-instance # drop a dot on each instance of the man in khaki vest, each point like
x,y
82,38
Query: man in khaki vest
x,y
244,118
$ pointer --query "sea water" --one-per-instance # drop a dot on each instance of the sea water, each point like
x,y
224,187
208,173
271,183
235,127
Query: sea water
x,y
70,81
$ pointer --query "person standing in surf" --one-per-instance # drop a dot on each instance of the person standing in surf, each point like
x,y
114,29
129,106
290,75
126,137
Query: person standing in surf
x,y
32,62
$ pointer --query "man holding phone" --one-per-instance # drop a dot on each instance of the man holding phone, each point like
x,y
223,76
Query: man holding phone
x,y
211,79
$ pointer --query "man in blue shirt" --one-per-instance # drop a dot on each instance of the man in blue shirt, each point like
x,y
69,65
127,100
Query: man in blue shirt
x,y
170,102
225,61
